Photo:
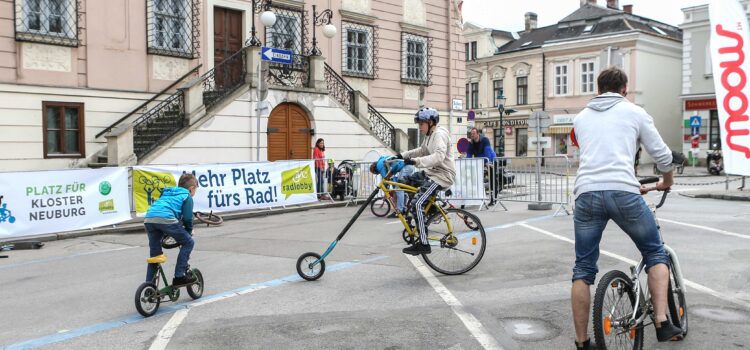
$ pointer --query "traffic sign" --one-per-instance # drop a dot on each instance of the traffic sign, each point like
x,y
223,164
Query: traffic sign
x,y
458,105
471,115
276,55
462,145
695,130
695,142
695,121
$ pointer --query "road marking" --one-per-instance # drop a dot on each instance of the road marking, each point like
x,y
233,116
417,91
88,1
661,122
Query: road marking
x,y
40,261
689,283
739,235
121,322
472,324
166,333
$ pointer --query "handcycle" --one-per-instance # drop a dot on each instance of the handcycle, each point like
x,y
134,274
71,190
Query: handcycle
x,y
457,237
621,305
149,295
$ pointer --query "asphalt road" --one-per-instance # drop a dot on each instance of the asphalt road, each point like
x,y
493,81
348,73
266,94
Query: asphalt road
x,y
79,293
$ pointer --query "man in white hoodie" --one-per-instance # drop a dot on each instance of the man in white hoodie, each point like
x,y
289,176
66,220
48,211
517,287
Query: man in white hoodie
x,y
608,132
435,156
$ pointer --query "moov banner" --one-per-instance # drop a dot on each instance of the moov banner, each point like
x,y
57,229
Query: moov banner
x,y
229,187
39,202
729,56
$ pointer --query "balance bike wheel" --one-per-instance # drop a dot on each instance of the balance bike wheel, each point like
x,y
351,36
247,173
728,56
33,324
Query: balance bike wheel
x,y
305,268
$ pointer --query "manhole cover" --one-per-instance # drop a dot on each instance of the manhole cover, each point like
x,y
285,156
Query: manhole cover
x,y
529,329
720,314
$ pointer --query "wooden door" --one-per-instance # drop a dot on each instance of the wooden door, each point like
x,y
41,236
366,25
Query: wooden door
x,y
289,133
227,41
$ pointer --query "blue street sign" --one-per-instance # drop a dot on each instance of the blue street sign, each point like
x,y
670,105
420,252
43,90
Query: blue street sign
x,y
471,115
695,131
695,121
276,55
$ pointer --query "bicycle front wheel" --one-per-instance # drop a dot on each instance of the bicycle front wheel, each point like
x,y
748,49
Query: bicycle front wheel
x,y
677,304
614,306
380,207
458,243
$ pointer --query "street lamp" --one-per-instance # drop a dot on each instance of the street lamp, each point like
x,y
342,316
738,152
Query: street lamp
x,y
268,19
329,30
500,99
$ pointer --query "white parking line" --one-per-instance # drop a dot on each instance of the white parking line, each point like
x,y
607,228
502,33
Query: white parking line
x,y
689,283
738,235
472,324
166,333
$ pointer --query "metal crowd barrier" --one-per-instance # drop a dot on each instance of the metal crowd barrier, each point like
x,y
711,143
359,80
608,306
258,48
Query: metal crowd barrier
x,y
544,180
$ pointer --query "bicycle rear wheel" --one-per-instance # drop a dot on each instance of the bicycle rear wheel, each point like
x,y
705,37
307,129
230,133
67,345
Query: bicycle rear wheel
x,y
380,207
459,252
614,306
677,304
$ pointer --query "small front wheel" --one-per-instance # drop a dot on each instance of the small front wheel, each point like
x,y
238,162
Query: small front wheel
x,y
147,299
195,290
307,270
380,207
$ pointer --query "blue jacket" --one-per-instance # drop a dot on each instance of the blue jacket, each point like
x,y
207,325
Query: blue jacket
x,y
395,166
174,203
481,149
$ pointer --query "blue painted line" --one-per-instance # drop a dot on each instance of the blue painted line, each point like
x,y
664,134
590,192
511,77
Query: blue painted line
x,y
104,326
41,261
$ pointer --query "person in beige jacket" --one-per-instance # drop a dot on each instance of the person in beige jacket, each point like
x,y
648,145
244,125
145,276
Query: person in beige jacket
x,y
435,157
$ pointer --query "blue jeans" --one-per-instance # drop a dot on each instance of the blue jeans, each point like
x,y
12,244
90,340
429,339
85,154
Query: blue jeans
x,y
178,232
320,178
629,211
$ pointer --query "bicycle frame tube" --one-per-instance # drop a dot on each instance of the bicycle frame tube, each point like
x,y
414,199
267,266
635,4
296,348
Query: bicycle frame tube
x,y
676,265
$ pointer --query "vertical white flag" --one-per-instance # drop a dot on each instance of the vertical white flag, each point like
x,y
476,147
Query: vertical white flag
x,y
729,51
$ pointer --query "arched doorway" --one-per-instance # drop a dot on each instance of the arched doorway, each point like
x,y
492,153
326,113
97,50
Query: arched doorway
x,y
289,133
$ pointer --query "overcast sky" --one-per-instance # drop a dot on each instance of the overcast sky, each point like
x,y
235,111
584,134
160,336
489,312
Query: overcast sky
x,y
509,14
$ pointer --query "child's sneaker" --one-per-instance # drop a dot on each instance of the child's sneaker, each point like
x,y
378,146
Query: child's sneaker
x,y
183,280
418,249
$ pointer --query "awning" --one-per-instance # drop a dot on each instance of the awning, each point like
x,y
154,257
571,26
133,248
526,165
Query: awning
x,y
559,129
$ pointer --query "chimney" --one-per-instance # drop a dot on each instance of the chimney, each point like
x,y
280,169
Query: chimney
x,y
613,4
588,2
530,18
628,8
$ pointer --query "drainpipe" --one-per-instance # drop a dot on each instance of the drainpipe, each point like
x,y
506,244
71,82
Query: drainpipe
x,y
544,81
450,70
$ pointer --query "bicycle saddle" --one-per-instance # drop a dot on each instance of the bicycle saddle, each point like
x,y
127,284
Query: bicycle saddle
x,y
160,259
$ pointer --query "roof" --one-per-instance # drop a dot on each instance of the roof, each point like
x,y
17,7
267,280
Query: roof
x,y
602,21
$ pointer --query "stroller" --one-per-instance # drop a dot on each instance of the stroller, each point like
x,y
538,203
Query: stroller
x,y
342,179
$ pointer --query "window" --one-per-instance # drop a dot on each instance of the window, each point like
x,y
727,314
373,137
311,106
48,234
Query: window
x,y
471,51
658,30
359,50
522,140
526,43
474,95
497,90
63,130
47,21
561,143
588,28
522,90
414,138
468,95
499,142
171,28
286,32
415,54
714,136
561,79
587,77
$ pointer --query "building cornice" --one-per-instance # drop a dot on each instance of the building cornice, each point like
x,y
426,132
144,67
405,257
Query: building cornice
x,y
412,28
357,17
296,4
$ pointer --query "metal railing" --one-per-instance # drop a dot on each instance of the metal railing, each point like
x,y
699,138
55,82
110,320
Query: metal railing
x,y
152,99
295,75
381,127
531,179
158,124
224,78
339,89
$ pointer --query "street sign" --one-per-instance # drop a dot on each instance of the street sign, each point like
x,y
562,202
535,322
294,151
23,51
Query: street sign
x,y
695,142
462,145
544,119
694,130
543,142
458,105
695,121
276,55
471,115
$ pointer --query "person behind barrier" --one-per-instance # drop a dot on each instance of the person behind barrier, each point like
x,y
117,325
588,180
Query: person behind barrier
x,y
319,155
435,156
172,215
608,131
480,147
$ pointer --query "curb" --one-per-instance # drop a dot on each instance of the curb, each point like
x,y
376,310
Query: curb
x,y
137,227
726,197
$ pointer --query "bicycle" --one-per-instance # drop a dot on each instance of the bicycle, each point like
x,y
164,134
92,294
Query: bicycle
x,y
456,249
621,325
209,219
149,296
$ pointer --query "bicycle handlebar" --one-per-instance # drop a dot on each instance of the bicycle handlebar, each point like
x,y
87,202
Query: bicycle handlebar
x,y
653,179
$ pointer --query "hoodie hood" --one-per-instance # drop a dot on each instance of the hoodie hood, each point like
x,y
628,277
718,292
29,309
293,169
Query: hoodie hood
x,y
605,101
175,191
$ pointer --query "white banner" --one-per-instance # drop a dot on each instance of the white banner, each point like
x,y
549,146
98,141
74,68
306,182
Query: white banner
x,y
230,187
40,202
729,37
469,183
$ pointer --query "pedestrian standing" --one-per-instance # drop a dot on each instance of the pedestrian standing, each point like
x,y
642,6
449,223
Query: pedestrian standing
x,y
319,155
